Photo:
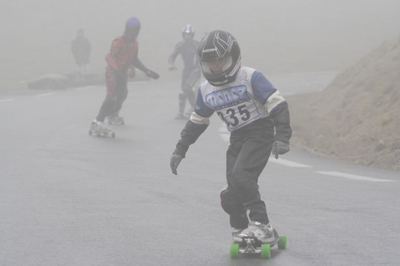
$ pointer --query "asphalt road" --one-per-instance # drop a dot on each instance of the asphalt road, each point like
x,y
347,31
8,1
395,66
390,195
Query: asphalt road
x,y
70,199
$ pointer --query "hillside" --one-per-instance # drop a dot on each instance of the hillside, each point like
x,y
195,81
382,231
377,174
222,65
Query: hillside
x,y
357,117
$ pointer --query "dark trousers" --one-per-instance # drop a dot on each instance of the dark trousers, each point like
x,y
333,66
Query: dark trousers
x,y
189,80
117,92
245,160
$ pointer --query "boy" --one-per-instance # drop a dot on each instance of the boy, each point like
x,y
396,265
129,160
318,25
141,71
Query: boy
x,y
253,110
123,54
187,48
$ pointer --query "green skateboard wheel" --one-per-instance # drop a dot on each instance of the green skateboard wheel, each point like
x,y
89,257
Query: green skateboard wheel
x,y
282,242
234,253
265,251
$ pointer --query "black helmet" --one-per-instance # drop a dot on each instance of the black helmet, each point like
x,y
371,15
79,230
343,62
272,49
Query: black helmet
x,y
219,45
132,28
188,30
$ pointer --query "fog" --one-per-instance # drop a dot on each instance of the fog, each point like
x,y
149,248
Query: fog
x,y
275,36
67,198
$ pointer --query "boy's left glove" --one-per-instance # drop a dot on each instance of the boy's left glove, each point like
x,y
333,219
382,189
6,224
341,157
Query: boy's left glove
x,y
279,147
175,161
152,74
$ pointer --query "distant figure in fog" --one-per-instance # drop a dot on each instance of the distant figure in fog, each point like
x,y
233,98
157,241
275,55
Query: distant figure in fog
x,y
258,118
81,49
122,57
187,48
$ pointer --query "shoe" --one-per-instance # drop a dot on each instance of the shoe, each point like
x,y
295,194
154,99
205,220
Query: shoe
x,y
116,120
235,235
263,232
98,126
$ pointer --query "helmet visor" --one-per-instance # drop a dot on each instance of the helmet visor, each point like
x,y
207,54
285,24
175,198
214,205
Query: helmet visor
x,y
187,35
216,66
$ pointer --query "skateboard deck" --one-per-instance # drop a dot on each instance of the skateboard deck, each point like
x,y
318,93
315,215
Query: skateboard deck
x,y
97,133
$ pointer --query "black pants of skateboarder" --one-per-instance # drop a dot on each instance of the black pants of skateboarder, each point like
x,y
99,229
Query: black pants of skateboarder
x,y
246,158
117,92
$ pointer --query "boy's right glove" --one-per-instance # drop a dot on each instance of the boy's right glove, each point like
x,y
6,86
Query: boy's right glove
x,y
279,147
175,161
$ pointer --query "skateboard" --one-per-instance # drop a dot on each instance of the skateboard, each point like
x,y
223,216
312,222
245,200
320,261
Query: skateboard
x,y
98,133
251,245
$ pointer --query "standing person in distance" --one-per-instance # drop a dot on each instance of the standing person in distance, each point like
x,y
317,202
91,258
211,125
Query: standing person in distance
x,y
80,48
253,110
187,48
122,56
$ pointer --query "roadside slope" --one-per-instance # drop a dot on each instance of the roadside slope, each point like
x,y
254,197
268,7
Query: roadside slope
x,y
357,117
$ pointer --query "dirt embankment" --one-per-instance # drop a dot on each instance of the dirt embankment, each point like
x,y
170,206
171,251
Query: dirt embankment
x,y
357,117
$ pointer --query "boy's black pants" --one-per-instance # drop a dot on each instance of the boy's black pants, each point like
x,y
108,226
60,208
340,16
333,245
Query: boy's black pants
x,y
245,160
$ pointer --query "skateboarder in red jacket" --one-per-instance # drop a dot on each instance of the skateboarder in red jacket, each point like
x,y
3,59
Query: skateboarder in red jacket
x,y
122,56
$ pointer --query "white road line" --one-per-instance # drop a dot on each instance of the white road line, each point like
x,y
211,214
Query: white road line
x,y
225,135
355,177
6,100
44,95
287,162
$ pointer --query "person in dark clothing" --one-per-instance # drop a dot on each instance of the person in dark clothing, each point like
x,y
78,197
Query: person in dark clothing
x,y
187,48
258,118
81,49
122,56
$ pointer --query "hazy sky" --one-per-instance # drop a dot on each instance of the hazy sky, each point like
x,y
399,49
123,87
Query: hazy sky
x,y
275,36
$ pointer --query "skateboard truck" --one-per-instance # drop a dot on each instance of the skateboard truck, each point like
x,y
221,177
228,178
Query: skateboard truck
x,y
251,245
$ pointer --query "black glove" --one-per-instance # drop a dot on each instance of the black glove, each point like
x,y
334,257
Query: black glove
x,y
279,147
175,161
152,74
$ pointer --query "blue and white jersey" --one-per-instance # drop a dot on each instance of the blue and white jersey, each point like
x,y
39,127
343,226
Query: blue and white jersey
x,y
250,97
